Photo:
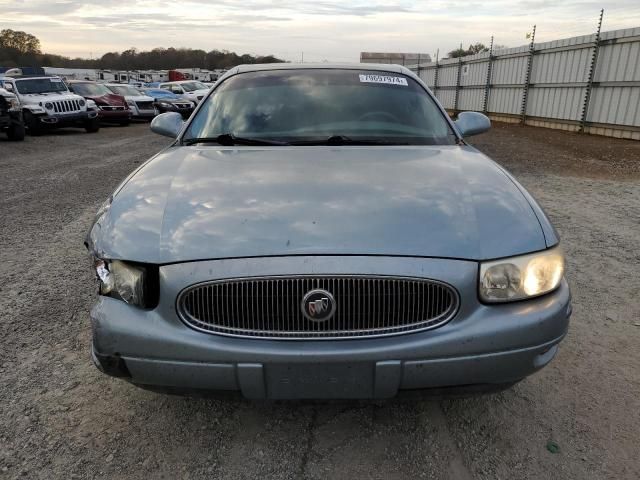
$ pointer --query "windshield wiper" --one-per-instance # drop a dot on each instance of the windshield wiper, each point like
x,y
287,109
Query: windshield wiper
x,y
344,140
229,139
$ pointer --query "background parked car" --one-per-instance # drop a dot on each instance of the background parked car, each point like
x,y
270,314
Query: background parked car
x,y
165,101
187,89
111,107
46,102
141,105
11,116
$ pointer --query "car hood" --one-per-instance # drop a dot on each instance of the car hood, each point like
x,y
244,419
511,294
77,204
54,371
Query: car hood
x,y
198,93
138,98
206,202
33,98
179,100
108,99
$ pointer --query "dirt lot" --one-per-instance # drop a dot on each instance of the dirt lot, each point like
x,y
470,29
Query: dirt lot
x,y
61,418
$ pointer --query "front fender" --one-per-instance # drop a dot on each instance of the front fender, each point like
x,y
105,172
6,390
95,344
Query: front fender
x,y
34,109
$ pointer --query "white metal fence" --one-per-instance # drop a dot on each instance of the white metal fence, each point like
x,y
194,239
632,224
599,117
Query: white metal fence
x,y
589,83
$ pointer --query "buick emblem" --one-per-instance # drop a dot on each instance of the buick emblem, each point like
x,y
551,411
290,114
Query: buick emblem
x,y
318,305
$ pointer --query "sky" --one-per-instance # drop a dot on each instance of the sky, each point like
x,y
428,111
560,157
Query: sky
x,y
322,29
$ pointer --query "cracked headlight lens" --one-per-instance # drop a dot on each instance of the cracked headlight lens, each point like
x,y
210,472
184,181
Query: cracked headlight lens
x,y
521,277
124,281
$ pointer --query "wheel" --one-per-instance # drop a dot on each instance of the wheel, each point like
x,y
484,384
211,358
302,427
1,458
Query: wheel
x,y
16,132
92,125
32,123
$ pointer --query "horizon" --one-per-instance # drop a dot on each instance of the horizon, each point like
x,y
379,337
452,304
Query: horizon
x,y
325,31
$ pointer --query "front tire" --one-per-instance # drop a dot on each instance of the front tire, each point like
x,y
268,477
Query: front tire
x,y
16,132
92,125
33,124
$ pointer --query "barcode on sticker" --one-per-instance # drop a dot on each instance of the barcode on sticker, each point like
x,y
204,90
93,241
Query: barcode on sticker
x,y
384,79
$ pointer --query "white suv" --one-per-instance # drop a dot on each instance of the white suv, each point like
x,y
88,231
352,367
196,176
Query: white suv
x,y
187,89
46,102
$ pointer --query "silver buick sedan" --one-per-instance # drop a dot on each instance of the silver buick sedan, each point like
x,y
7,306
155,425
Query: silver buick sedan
x,y
324,232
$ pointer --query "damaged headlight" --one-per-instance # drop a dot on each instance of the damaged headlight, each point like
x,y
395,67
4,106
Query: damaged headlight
x,y
521,277
135,284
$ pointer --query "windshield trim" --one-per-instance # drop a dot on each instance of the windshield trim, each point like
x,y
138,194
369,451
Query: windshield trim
x,y
63,88
288,67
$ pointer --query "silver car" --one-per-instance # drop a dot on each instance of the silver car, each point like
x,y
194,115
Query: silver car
x,y
324,232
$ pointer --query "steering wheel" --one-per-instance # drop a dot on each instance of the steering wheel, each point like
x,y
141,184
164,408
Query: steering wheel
x,y
380,115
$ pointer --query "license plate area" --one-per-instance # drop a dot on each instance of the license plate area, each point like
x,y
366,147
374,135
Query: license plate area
x,y
329,380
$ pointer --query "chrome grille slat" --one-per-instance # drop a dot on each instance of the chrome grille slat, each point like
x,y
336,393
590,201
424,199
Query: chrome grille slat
x,y
269,307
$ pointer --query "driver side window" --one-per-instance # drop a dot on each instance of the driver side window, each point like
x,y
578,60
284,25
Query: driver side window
x,y
177,89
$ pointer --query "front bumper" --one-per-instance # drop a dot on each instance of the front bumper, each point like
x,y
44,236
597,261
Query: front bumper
x,y
114,115
139,113
185,112
482,345
69,119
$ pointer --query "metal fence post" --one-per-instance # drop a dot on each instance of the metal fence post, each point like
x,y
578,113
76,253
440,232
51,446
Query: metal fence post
x,y
455,103
592,71
488,84
527,79
435,75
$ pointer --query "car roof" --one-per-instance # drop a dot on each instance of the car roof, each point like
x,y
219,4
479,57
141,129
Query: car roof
x,y
178,82
31,77
376,67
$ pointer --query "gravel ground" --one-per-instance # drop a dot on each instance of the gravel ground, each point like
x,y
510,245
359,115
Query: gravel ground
x,y
61,418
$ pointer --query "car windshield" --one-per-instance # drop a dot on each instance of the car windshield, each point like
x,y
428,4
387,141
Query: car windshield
x,y
193,86
124,90
315,105
40,85
90,89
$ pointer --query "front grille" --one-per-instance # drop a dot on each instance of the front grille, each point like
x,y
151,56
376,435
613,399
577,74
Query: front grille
x,y
271,307
145,105
111,108
64,106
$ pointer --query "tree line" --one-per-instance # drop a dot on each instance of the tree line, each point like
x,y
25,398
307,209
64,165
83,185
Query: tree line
x,y
23,49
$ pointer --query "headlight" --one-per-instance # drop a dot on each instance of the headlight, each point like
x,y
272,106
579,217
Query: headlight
x,y
131,103
134,284
82,103
522,277
165,104
14,104
48,106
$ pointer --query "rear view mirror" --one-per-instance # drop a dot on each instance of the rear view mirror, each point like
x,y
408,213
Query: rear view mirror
x,y
168,124
472,123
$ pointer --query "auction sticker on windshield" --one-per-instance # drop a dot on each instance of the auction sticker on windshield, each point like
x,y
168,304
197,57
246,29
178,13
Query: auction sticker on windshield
x,y
383,79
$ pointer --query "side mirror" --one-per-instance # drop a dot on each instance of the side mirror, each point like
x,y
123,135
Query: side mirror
x,y
168,124
472,123
8,87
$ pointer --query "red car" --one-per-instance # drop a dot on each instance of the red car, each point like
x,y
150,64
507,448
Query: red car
x,y
111,107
